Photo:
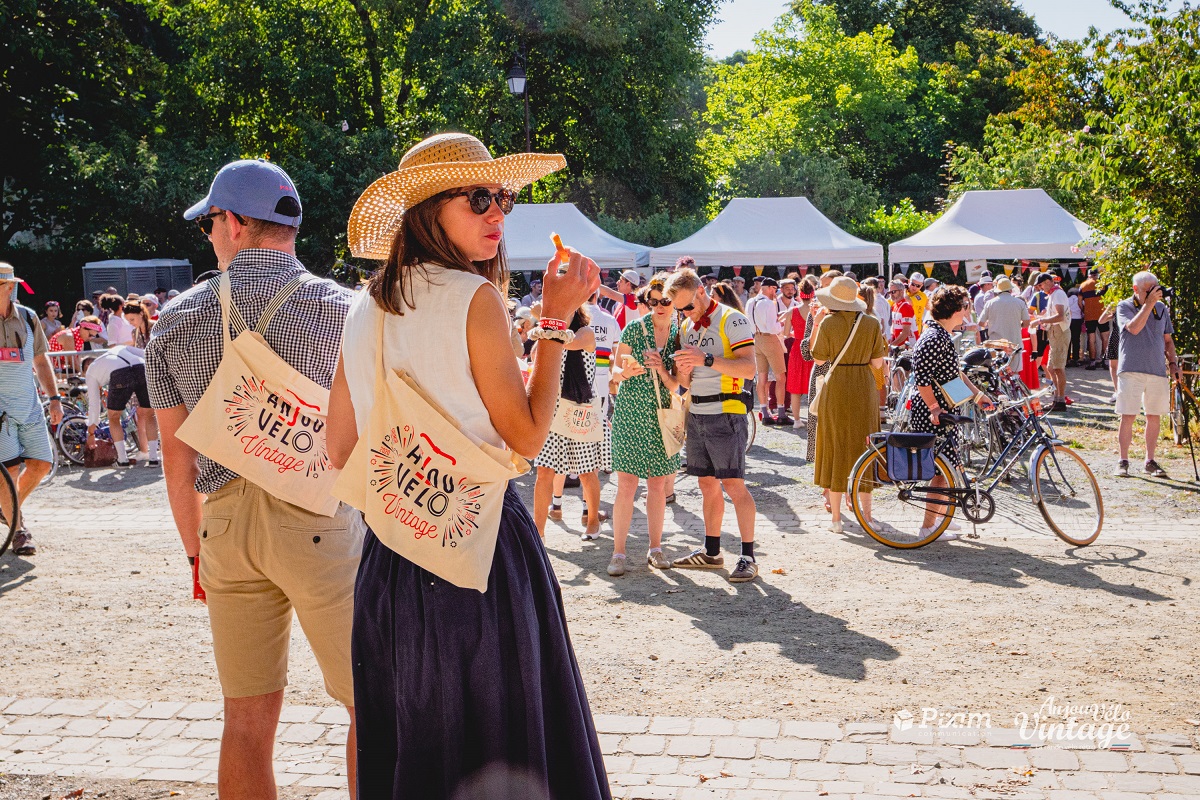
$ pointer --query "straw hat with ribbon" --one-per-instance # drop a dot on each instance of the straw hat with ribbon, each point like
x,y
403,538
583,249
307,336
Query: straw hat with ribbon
x,y
441,162
9,275
841,295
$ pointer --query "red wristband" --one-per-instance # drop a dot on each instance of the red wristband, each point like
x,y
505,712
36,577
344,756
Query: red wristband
x,y
197,589
552,324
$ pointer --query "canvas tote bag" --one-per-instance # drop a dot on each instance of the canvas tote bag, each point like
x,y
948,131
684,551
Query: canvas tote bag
x,y
812,403
429,490
672,420
581,422
262,418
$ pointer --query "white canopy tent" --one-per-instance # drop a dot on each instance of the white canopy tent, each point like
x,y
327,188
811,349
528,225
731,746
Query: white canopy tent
x,y
770,231
527,239
998,224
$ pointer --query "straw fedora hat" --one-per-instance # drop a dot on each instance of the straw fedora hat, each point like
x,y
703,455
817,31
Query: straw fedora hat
x,y
441,162
8,274
841,295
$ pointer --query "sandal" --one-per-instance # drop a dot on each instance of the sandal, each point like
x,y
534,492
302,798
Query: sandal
x,y
671,498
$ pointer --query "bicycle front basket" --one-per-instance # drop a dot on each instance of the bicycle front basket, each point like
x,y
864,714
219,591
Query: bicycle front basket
x,y
910,456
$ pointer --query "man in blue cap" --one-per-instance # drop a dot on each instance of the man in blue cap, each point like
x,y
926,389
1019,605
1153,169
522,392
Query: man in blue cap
x,y
261,558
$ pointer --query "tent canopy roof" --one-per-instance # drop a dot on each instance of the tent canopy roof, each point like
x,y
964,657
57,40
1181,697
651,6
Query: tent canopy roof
x,y
122,263
999,223
527,238
770,231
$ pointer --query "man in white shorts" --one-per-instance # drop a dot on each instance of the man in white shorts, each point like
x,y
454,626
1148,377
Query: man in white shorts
x,y
1146,353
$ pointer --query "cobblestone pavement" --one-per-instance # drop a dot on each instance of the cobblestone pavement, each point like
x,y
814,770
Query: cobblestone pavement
x,y
676,758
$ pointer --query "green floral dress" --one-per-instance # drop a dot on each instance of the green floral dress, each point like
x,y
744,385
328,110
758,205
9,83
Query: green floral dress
x,y
637,447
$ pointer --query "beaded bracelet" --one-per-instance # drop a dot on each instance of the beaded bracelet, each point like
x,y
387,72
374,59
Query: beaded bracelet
x,y
563,336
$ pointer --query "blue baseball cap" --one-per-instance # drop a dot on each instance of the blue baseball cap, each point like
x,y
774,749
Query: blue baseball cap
x,y
253,188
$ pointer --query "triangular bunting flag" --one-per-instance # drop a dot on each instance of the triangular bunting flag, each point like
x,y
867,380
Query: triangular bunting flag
x,y
954,268
737,271
825,268
758,270
1043,266
929,269
1008,269
1073,271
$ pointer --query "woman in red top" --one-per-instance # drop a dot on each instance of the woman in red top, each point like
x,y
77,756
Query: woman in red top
x,y
799,368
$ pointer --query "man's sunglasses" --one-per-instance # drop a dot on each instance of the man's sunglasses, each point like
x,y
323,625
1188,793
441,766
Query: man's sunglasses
x,y
481,199
205,221
687,308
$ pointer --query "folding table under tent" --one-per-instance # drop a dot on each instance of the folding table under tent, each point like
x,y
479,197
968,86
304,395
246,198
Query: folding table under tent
x,y
998,224
770,231
527,239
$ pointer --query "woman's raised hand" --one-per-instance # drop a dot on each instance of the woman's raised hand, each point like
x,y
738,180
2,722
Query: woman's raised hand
x,y
563,292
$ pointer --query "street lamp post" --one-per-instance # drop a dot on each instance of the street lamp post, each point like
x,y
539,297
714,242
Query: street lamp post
x,y
518,84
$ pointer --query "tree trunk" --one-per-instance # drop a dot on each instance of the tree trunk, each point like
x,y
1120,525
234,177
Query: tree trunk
x,y
371,41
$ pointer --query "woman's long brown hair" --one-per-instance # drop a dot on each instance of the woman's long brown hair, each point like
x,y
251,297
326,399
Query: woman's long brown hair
x,y
421,240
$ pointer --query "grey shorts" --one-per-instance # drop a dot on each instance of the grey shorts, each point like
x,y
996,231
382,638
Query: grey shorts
x,y
716,445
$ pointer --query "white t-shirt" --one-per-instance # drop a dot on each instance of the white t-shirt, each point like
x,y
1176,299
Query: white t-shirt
x,y
608,334
100,372
118,331
1059,298
1076,306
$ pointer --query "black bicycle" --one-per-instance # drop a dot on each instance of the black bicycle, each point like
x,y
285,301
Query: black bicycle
x,y
913,513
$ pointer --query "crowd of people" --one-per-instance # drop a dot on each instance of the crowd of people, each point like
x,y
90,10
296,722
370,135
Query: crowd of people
x,y
654,375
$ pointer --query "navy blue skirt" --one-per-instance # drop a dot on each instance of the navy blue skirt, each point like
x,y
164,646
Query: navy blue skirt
x,y
461,695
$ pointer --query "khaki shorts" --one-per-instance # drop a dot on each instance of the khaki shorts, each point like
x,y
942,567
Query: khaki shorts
x,y
1137,391
1060,343
769,354
260,557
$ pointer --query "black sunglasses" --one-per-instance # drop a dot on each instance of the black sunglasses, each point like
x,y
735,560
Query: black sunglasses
x,y
688,307
481,199
662,301
205,221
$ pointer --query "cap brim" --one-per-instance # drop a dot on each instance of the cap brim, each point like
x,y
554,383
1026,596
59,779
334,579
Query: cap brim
x,y
198,209
377,212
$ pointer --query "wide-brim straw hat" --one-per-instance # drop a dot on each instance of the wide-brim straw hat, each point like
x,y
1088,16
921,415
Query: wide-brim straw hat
x,y
841,295
8,274
434,165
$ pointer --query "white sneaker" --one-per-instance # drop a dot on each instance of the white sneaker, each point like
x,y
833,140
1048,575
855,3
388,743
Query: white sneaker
x,y
798,425
953,526
836,526
925,533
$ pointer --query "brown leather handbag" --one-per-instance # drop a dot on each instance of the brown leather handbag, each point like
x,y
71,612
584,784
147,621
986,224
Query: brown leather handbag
x,y
104,454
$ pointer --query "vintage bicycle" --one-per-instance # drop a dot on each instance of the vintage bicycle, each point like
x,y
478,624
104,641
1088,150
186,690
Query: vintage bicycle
x,y
914,509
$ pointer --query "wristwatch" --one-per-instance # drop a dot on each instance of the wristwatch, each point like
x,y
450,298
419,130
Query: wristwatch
x,y
708,359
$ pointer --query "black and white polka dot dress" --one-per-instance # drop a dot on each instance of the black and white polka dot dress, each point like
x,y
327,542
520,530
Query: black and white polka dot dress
x,y
935,361
568,456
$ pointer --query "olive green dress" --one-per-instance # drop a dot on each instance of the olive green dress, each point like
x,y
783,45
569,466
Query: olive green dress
x,y
849,402
637,446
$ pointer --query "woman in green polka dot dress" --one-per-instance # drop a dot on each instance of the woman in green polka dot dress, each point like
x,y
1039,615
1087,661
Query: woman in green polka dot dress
x,y
647,344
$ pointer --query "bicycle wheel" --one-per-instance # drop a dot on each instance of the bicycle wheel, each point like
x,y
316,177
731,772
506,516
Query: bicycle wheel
x,y
898,518
72,439
9,510
1067,494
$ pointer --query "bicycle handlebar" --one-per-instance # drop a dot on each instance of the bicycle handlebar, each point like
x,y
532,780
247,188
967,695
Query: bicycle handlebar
x,y
1021,401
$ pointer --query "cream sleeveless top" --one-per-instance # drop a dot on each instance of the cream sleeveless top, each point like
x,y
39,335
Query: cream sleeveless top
x,y
428,342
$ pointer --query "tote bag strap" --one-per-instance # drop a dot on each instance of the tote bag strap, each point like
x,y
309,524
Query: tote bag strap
x,y
230,313
845,346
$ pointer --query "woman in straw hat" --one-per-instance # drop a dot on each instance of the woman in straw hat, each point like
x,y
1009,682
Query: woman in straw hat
x,y
449,681
849,402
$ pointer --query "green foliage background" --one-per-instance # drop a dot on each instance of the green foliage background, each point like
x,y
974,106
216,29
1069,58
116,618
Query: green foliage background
x,y
118,113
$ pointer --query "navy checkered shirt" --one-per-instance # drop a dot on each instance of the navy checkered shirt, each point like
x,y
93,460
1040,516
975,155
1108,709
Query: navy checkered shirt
x,y
186,345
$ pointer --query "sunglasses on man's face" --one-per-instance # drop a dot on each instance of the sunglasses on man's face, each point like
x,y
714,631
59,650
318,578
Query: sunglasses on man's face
x,y
205,221
481,199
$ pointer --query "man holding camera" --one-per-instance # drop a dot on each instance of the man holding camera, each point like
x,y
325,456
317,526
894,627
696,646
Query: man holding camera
x,y
1145,355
